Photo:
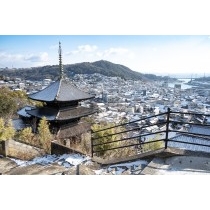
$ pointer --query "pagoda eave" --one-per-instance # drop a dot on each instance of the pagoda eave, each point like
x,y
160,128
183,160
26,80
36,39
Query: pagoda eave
x,y
55,114
61,91
59,101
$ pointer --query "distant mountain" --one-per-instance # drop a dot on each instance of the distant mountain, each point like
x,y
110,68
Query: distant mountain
x,y
106,68
102,67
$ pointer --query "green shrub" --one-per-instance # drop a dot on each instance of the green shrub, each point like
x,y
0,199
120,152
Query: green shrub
x,y
115,153
154,145
101,135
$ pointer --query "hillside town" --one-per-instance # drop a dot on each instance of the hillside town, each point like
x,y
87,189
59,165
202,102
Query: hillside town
x,y
119,100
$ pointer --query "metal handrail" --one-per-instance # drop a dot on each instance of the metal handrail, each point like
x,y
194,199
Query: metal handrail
x,y
167,130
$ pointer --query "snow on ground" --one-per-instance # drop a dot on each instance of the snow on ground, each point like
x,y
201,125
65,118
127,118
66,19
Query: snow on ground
x,y
168,170
70,160
118,169
67,160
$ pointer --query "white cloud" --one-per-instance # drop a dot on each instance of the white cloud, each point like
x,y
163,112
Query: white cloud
x,y
41,57
87,48
93,50
21,60
99,54
92,53
120,55
115,51
83,49
6,57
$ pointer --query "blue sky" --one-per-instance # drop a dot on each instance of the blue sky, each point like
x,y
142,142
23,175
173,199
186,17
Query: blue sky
x,y
161,55
156,37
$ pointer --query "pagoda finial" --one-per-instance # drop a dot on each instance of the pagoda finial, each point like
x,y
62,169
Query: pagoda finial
x,y
60,61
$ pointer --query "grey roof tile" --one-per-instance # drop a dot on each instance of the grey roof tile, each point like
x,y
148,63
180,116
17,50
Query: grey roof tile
x,y
61,114
61,91
23,112
47,112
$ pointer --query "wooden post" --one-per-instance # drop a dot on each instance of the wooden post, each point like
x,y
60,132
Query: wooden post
x,y
167,128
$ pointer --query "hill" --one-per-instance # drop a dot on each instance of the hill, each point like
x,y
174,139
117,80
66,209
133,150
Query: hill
x,y
106,68
102,67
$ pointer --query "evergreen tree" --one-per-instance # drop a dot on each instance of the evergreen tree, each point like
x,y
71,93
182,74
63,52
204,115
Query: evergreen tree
x,y
26,135
7,130
44,135
8,104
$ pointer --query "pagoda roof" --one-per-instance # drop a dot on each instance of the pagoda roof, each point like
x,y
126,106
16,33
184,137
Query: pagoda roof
x,y
23,112
61,91
56,114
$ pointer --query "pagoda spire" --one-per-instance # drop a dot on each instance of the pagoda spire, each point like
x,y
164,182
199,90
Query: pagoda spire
x,y
60,61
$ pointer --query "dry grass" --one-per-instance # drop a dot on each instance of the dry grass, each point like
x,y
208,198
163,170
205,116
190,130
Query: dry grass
x,y
154,145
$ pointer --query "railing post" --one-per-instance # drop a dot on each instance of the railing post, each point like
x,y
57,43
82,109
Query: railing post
x,y
167,128
77,169
91,144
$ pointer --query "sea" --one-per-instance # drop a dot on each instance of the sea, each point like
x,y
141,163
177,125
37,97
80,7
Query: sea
x,y
183,83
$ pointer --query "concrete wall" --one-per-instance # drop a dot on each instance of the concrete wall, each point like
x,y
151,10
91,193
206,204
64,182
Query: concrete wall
x,y
19,150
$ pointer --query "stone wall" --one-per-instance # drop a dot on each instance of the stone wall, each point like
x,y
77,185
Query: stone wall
x,y
80,144
86,143
19,150
59,149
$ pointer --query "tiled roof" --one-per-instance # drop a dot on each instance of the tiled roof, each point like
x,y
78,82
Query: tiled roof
x,y
61,91
61,114
74,112
23,112
47,112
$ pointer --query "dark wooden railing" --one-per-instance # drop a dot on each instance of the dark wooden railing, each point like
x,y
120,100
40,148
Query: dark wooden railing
x,y
102,143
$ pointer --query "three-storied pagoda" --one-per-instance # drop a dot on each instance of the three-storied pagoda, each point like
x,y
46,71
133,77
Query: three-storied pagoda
x,y
62,108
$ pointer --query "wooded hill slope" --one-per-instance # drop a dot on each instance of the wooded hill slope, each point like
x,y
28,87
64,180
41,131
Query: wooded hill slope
x,y
102,67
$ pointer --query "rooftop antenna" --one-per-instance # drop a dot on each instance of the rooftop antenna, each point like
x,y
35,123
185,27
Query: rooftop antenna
x,y
60,61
